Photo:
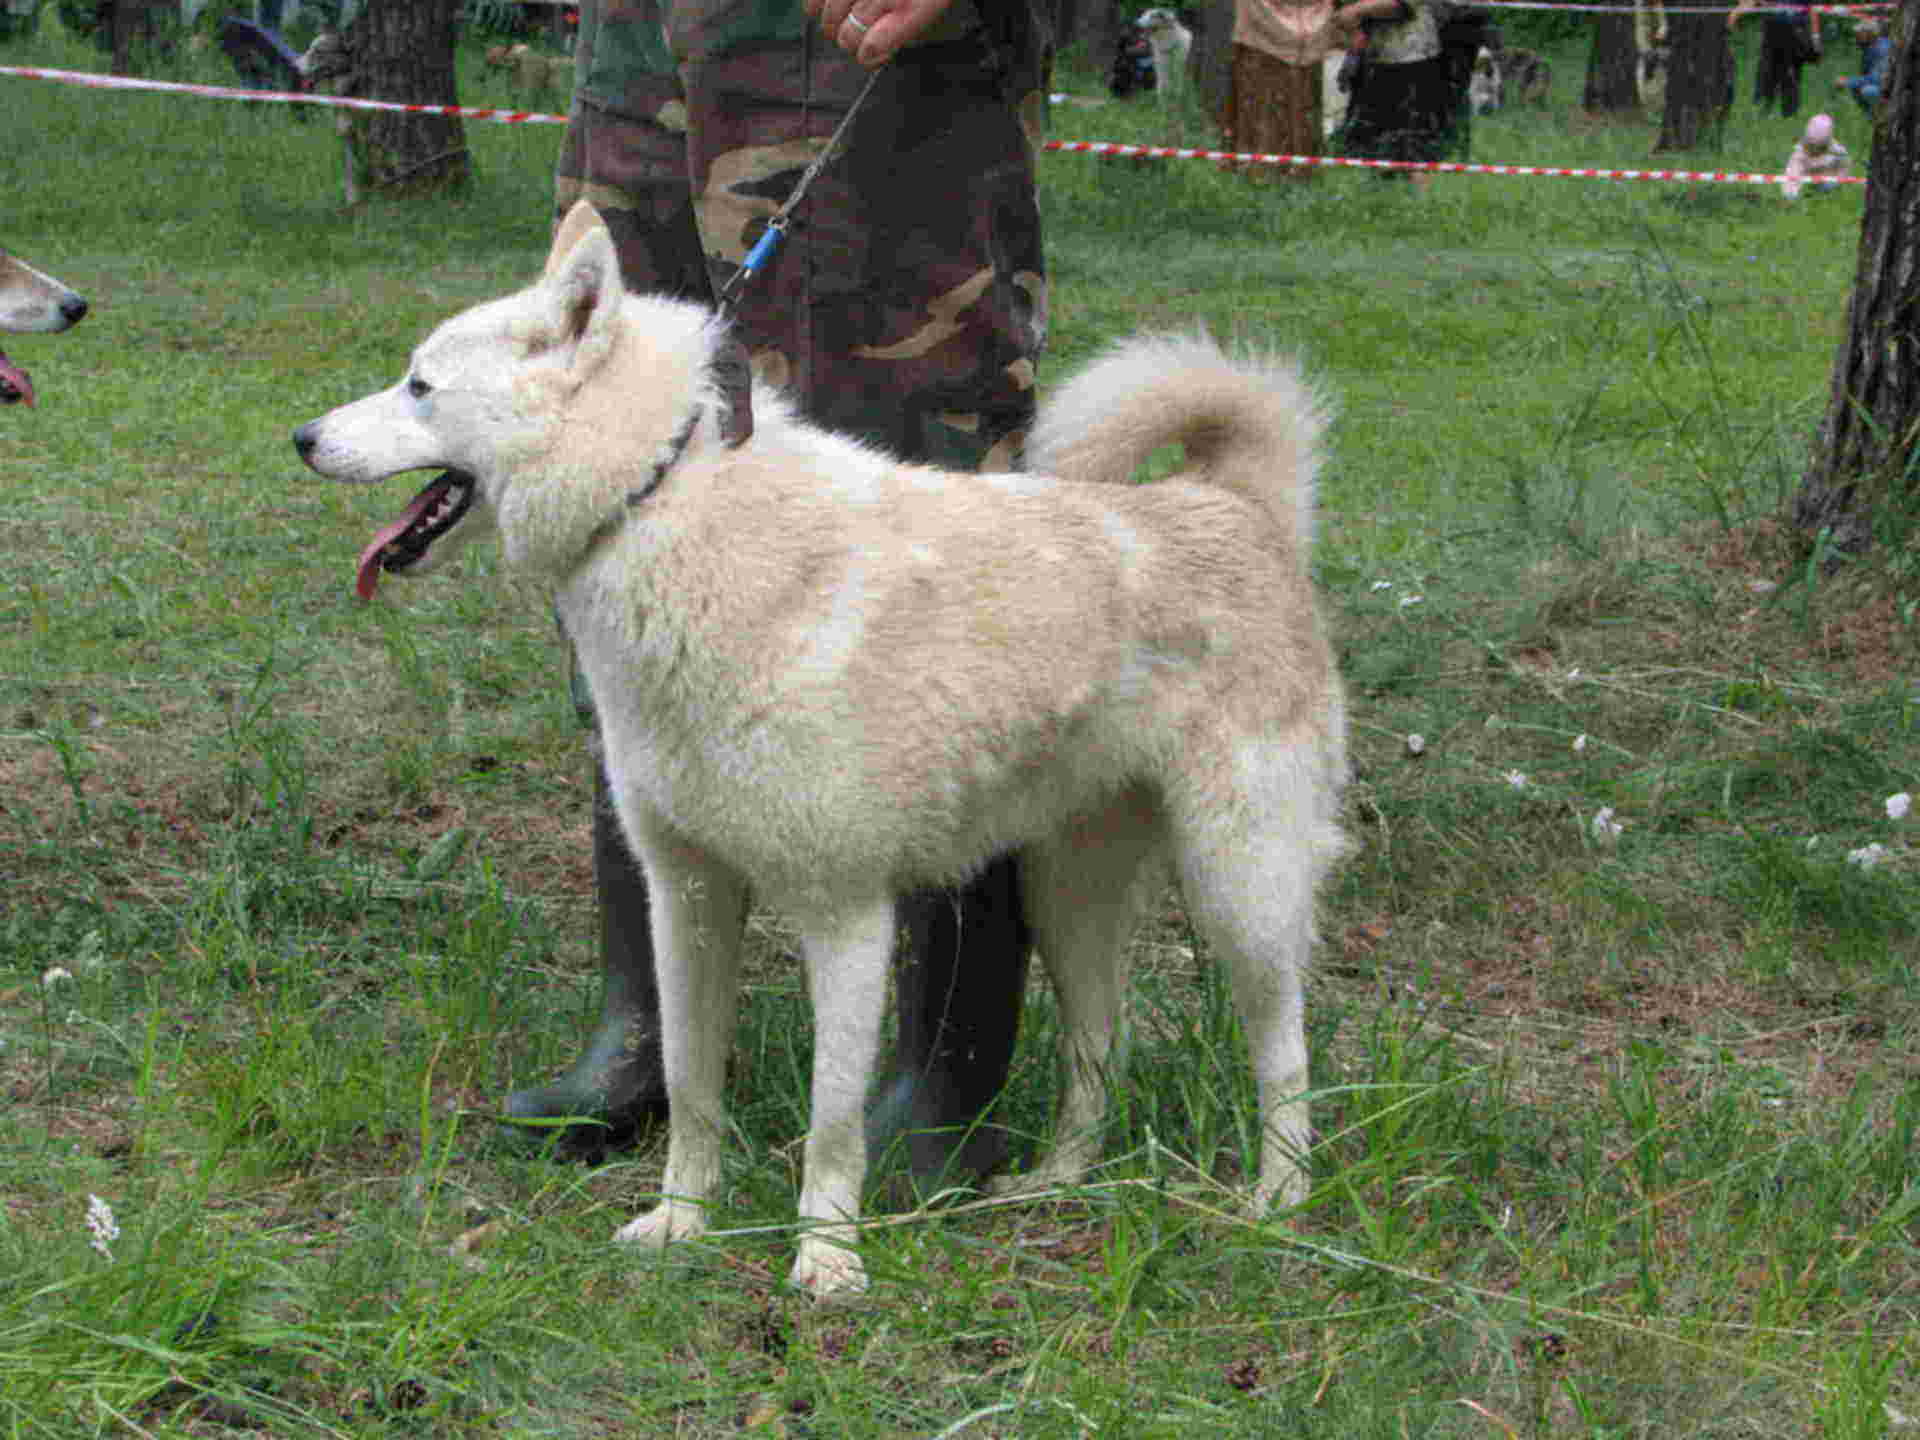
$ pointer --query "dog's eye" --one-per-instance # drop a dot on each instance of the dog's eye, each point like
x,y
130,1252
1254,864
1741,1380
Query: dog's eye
x,y
416,387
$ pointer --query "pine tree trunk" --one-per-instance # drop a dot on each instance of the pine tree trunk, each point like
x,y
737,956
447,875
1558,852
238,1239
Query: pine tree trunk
x,y
1213,55
1092,24
1864,455
131,31
1699,80
403,50
1612,84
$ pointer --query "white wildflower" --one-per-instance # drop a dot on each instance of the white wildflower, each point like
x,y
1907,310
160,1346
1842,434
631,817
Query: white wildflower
x,y
1516,779
101,1222
1606,829
1380,585
1867,856
1406,600
1574,673
1898,805
55,976
1416,744
1579,744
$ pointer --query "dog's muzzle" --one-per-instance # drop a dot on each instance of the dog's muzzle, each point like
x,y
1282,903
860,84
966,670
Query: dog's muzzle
x,y
441,504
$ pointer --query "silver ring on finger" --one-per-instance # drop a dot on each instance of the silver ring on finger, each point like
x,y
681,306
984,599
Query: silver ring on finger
x,y
858,23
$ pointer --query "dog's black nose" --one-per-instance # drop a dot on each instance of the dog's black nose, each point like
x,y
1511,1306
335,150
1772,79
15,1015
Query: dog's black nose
x,y
303,440
74,309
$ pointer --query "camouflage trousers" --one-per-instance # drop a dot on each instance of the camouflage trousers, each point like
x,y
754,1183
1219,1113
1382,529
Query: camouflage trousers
x,y
908,303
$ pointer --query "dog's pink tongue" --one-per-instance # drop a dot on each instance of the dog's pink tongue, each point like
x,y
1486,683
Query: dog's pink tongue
x,y
14,384
367,577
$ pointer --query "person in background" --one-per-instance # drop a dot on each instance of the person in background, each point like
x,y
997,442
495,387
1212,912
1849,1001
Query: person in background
x,y
908,305
1403,106
1464,31
1876,61
1817,161
1275,102
1789,42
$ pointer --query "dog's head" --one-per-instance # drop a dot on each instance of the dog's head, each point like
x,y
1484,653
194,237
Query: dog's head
x,y
1164,25
31,304
491,398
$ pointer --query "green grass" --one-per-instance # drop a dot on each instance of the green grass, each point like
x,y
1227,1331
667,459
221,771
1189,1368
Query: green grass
x,y
1616,1138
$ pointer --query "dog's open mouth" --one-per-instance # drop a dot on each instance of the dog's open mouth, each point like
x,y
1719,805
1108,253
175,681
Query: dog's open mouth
x,y
15,388
430,514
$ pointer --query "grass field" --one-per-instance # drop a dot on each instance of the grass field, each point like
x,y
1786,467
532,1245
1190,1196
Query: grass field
x,y
1617,1056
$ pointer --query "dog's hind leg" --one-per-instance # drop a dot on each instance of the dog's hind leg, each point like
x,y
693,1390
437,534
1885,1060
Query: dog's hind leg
x,y
847,955
1084,889
699,912
1249,891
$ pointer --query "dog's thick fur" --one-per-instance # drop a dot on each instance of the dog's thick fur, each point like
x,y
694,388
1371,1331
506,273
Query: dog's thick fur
x,y
31,303
828,677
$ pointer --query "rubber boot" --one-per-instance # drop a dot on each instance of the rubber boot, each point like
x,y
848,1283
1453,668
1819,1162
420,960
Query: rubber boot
x,y
618,1085
959,975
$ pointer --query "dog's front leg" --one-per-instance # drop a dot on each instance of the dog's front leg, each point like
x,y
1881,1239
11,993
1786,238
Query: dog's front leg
x,y
698,914
846,956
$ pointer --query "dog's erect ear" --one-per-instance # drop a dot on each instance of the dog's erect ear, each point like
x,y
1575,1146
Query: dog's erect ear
x,y
572,227
583,286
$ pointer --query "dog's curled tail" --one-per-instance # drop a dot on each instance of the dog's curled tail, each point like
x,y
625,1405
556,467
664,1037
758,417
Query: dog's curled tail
x,y
1252,424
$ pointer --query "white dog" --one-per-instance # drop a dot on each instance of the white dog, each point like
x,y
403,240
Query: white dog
x,y
31,303
1172,42
1486,90
828,677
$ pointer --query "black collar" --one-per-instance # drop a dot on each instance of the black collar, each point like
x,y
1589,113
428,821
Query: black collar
x,y
669,456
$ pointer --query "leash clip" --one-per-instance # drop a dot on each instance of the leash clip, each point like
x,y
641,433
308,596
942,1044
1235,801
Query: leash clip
x,y
763,249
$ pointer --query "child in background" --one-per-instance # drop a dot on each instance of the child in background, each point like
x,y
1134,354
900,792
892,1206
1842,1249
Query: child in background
x,y
1818,160
1876,59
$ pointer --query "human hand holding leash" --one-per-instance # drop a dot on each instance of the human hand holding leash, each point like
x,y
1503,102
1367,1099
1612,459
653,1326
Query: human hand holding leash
x,y
881,28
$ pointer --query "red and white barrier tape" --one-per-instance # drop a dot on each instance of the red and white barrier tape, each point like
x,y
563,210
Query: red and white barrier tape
x,y
1436,167
94,80
1574,7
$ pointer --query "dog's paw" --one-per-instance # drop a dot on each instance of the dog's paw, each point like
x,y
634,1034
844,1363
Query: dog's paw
x,y
1012,1187
1286,1191
828,1271
667,1222
1063,1166
1036,1181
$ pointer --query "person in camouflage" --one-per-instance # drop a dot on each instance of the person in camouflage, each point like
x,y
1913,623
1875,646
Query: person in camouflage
x,y
907,305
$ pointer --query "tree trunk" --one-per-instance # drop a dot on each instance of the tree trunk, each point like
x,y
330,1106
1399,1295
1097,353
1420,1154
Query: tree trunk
x,y
1213,55
1612,82
403,50
131,30
1699,80
1864,452
1094,25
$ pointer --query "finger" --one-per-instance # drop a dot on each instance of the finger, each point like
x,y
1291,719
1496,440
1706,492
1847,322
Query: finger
x,y
895,29
877,44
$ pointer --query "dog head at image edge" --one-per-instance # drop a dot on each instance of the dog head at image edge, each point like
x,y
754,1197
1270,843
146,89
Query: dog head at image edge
x,y
31,303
